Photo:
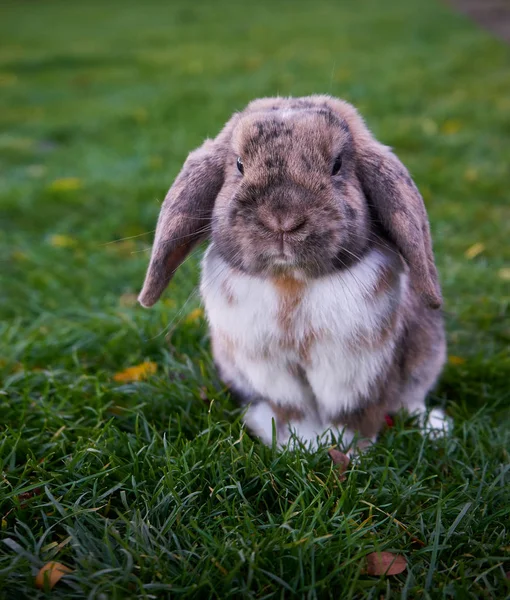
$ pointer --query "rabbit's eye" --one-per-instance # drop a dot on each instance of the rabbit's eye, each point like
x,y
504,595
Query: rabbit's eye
x,y
240,165
337,165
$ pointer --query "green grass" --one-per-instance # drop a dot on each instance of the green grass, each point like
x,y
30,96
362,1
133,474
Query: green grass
x,y
144,489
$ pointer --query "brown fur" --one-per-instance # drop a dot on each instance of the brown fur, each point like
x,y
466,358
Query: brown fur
x,y
386,280
289,291
367,421
310,338
286,414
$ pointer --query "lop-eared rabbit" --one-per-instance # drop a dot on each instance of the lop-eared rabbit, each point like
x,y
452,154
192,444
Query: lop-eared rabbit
x,y
319,283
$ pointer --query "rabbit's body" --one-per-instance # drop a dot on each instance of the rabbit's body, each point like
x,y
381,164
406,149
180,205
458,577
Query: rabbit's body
x,y
316,355
320,284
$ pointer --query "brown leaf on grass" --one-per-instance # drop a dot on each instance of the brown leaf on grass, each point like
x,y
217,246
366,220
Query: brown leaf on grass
x,y
417,541
385,563
136,373
338,458
51,573
25,496
341,460
219,566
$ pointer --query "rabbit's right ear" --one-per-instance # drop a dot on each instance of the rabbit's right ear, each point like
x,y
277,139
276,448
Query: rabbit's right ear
x,y
185,215
399,207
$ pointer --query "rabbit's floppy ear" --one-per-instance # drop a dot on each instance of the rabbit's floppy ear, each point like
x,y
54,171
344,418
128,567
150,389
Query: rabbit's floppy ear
x,y
395,201
399,207
185,215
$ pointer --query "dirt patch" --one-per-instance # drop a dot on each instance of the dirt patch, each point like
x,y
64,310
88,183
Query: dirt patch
x,y
493,15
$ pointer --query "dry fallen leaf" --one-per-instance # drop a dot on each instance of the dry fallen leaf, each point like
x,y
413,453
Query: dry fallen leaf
x,y
474,250
341,460
136,373
338,458
25,496
218,565
385,563
62,241
194,315
451,126
65,184
456,360
52,573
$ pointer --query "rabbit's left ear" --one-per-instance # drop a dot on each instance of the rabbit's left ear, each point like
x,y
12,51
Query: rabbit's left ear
x,y
399,207
185,216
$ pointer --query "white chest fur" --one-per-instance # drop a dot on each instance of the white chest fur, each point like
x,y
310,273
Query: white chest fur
x,y
317,345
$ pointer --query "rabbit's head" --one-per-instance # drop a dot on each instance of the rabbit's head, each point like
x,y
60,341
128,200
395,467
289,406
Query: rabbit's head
x,y
293,186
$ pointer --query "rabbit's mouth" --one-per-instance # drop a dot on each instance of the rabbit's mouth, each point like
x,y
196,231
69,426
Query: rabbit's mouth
x,y
276,261
281,254
283,262
283,259
307,252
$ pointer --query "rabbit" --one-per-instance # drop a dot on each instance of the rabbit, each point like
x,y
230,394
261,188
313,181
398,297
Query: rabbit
x,y
319,284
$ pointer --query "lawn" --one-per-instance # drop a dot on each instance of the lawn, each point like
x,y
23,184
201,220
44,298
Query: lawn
x,y
152,488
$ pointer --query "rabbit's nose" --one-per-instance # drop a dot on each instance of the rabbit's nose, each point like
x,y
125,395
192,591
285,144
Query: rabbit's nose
x,y
284,223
